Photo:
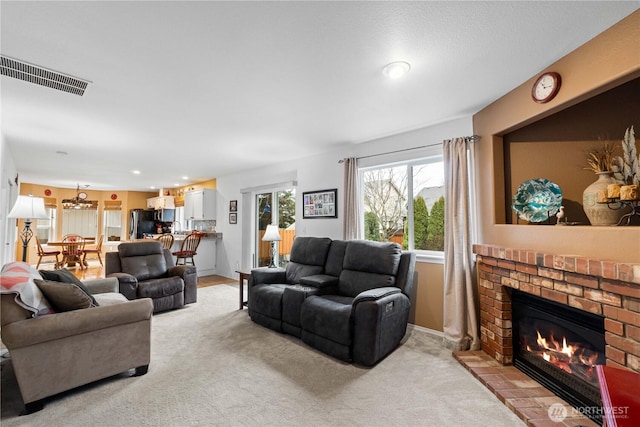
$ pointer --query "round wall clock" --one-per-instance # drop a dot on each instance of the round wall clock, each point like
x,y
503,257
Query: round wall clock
x,y
546,87
114,196
82,195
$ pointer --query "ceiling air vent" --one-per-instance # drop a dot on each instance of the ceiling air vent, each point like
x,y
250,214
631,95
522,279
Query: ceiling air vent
x,y
41,76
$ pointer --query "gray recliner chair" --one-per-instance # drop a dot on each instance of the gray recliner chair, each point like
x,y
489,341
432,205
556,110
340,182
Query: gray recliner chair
x,y
146,270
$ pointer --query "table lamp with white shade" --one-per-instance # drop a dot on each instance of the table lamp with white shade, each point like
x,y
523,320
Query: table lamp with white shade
x,y
272,235
28,208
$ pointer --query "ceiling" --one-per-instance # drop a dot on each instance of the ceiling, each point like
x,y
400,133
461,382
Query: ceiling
x,y
205,89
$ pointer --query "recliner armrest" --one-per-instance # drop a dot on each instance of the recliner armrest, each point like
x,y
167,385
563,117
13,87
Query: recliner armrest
x,y
102,286
375,294
76,322
181,270
320,281
267,276
127,284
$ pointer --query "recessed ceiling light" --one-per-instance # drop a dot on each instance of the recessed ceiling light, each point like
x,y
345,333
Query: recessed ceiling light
x,y
176,185
185,177
136,172
153,187
397,69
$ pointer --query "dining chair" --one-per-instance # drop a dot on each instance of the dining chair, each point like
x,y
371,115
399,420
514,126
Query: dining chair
x,y
42,254
166,240
97,250
188,249
72,250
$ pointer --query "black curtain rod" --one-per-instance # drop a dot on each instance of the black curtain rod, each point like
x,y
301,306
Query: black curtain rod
x,y
472,138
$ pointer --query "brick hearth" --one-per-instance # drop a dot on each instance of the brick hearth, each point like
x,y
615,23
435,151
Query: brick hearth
x,y
529,400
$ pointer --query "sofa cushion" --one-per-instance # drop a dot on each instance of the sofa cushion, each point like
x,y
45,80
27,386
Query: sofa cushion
x,y
335,258
368,265
310,250
144,267
372,257
267,300
18,278
65,296
157,288
354,282
65,276
328,316
295,271
144,260
110,298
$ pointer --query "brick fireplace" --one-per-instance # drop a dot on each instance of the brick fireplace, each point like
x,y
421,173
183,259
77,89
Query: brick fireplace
x,y
606,288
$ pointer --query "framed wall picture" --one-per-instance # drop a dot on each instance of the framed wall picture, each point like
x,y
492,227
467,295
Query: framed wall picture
x,y
233,218
320,204
233,206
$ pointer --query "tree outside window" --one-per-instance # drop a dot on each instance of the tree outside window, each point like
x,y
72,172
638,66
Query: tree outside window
x,y
389,213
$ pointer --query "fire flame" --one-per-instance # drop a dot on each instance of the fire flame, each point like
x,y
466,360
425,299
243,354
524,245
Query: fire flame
x,y
563,355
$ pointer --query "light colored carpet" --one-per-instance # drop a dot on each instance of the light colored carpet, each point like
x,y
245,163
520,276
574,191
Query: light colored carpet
x,y
210,365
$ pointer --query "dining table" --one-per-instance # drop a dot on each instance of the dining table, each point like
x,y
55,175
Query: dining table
x,y
72,262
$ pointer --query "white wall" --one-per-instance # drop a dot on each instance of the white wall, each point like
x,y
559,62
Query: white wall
x,y
8,195
319,172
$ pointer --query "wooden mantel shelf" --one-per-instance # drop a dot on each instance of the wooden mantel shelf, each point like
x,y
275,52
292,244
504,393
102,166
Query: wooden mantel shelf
x,y
612,270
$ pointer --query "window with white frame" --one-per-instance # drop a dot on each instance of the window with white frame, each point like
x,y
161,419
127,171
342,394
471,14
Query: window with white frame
x,y
80,221
46,228
404,203
112,223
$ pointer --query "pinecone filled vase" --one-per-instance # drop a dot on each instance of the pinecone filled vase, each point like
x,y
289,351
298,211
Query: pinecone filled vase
x,y
600,213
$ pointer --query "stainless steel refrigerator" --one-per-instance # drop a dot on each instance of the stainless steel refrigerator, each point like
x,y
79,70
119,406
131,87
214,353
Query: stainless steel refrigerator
x,y
140,223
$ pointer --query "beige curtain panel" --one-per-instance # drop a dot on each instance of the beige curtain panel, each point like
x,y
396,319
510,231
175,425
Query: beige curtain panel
x,y
460,296
351,218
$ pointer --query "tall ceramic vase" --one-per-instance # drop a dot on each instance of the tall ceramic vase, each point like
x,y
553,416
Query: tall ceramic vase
x,y
600,213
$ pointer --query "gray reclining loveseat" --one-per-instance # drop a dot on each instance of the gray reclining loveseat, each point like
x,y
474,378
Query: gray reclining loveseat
x,y
349,299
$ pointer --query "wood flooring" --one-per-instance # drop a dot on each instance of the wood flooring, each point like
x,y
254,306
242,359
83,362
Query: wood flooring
x,y
96,271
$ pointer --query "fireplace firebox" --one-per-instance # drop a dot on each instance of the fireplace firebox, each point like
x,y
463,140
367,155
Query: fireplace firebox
x,y
559,346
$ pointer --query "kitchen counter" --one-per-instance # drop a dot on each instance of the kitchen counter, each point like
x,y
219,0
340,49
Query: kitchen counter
x,y
181,236
207,235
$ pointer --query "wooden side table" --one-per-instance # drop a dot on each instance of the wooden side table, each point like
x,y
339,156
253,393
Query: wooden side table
x,y
243,275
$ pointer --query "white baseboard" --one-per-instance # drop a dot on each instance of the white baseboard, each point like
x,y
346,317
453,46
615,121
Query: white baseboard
x,y
426,330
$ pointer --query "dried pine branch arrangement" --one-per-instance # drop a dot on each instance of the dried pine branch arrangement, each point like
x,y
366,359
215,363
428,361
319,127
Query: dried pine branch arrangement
x,y
626,168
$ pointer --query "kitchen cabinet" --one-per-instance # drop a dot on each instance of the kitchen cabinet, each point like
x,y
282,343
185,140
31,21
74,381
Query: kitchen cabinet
x,y
163,202
205,259
200,204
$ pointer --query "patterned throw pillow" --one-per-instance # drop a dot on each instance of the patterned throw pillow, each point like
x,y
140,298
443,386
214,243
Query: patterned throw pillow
x,y
65,296
18,278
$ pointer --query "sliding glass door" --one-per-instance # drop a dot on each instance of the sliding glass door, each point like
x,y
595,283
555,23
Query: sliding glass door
x,y
276,207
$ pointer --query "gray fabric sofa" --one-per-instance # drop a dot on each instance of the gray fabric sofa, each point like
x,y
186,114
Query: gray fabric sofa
x,y
349,299
55,353
145,270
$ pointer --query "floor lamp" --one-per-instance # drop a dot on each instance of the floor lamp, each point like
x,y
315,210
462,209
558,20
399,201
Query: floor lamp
x,y
272,235
28,208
